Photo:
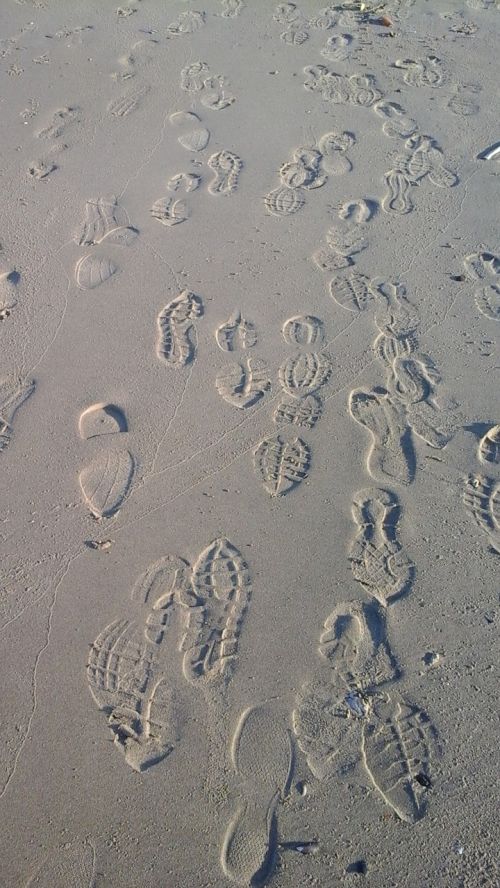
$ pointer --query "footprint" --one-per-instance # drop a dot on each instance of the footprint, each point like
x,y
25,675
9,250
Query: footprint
x,y
262,757
391,453
483,266
358,211
105,220
489,446
164,584
61,120
352,292
220,584
324,725
197,137
337,47
397,197
102,419
302,412
40,169
169,211
354,645
488,302
396,747
138,703
363,90
106,482
188,181
348,240
482,501
92,270
305,373
464,101
227,168
231,8
175,346
377,560
236,333
14,391
193,76
328,259
244,384
214,96
128,102
303,330
333,147
186,23
71,865
294,36
412,380
281,465
397,123
422,72
284,201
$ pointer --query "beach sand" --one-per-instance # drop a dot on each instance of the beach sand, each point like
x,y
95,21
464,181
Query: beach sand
x,y
250,305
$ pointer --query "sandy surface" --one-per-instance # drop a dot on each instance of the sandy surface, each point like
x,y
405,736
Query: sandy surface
x,y
250,303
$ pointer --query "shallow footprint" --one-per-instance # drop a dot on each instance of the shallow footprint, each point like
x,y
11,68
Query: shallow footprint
x,y
107,481
262,757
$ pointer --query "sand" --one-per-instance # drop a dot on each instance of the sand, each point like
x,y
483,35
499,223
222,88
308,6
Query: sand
x,y
250,294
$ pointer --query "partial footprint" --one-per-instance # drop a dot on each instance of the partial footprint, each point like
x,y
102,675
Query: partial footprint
x,y
482,501
61,120
352,292
186,23
281,465
138,703
488,301
397,123
376,556
397,739
354,644
302,412
106,482
227,168
220,584
14,391
391,452
244,384
262,758
236,333
175,345
128,102
422,72
489,446
197,137
105,220
169,211
102,419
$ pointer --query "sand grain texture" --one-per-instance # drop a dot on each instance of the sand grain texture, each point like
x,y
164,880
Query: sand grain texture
x,y
250,513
